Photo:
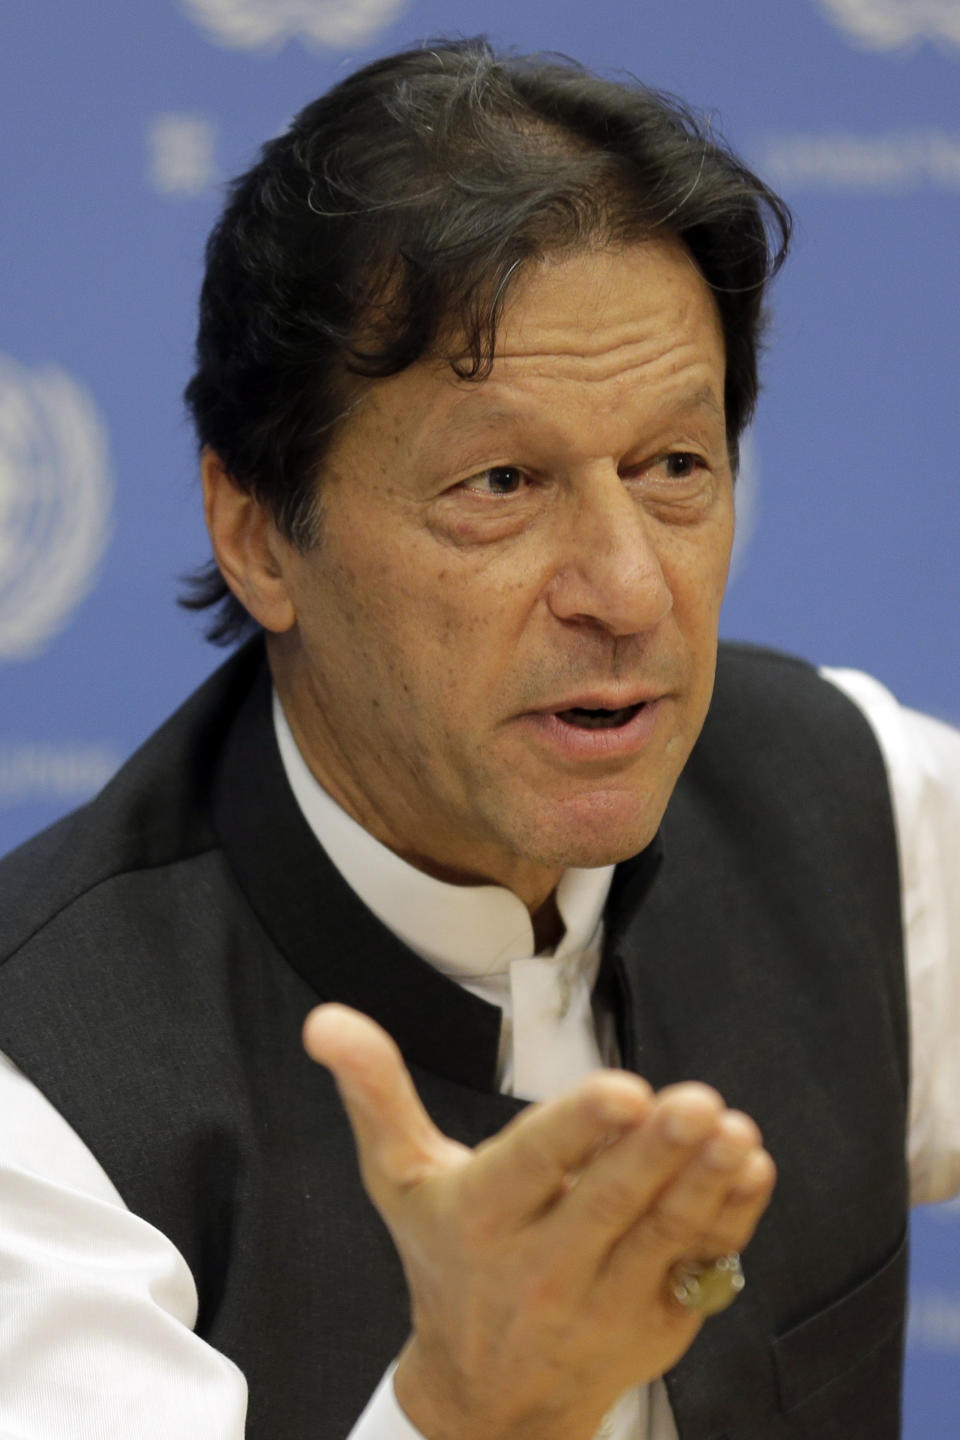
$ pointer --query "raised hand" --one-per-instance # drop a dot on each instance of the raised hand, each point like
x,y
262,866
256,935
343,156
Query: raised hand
x,y
538,1264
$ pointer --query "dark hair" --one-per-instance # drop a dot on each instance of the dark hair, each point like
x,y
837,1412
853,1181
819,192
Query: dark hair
x,y
389,222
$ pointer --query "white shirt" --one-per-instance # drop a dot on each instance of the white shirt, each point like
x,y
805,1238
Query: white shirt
x,y
97,1306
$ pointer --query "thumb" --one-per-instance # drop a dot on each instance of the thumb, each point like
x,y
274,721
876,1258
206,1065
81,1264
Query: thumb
x,y
398,1144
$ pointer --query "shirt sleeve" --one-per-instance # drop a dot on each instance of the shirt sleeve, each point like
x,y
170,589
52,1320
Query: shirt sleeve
x,y
97,1307
922,756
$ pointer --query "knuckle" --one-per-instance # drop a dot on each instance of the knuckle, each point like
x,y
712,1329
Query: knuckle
x,y
530,1140
614,1095
756,1181
742,1127
695,1091
404,1161
666,1228
612,1203
538,1159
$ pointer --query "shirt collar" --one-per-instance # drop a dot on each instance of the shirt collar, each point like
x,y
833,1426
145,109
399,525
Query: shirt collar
x,y
463,930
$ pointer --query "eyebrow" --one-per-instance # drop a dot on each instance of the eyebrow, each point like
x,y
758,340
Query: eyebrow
x,y
702,398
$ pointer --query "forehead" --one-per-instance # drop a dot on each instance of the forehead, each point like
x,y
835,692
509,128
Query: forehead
x,y
601,310
604,327
612,336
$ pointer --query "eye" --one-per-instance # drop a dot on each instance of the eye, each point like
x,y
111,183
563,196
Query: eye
x,y
681,464
498,480
670,468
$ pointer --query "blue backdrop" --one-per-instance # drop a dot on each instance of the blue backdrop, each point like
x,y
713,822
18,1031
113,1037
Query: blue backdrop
x,y
118,124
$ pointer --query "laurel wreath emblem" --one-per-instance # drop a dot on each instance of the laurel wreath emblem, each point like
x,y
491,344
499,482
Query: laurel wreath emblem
x,y
56,493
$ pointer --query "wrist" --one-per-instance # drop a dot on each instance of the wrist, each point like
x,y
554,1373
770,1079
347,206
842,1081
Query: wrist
x,y
439,1406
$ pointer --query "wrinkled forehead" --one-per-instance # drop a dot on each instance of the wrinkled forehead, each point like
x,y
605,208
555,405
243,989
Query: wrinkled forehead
x,y
585,302
595,305
597,346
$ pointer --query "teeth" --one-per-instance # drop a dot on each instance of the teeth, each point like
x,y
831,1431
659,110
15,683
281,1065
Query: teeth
x,y
598,719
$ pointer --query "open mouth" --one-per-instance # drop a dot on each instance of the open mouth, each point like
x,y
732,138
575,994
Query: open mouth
x,y
585,719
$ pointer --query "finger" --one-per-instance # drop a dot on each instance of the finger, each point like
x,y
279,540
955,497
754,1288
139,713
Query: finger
x,y
528,1166
397,1142
741,1211
691,1233
622,1184
685,1214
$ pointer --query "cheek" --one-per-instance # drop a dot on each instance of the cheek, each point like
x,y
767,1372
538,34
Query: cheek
x,y
462,616
703,554
414,634
697,580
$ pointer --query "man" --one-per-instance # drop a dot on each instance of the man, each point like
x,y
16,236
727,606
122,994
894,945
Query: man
x,y
478,339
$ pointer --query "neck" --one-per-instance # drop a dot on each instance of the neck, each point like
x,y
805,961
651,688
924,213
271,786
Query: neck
x,y
548,927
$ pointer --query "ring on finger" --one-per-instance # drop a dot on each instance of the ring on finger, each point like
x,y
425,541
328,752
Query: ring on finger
x,y
707,1287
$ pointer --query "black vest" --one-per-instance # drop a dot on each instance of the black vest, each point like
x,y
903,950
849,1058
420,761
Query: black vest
x,y
162,946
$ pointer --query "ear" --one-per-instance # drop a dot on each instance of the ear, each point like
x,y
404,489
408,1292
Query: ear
x,y
247,546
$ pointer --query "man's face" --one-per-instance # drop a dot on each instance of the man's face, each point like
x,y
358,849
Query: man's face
x,y
500,558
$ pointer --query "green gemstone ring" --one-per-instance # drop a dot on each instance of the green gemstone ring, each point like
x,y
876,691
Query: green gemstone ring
x,y
710,1287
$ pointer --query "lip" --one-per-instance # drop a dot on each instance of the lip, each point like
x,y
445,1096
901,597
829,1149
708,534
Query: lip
x,y
608,699
569,742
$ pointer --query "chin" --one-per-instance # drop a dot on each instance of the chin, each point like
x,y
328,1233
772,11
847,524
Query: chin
x,y
592,855
587,837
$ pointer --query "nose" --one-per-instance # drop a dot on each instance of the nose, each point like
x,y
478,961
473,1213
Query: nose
x,y
609,575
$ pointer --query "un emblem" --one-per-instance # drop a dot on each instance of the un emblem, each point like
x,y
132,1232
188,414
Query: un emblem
x,y
252,24
55,494
885,24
